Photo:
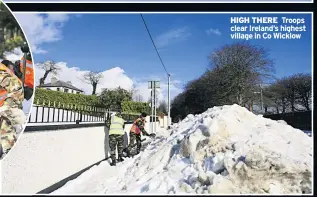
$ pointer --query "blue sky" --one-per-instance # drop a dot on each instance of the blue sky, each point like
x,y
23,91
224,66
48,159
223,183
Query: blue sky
x,y
100,42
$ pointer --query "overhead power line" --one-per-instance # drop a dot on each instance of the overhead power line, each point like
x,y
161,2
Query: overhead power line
x,y
168,75
158,54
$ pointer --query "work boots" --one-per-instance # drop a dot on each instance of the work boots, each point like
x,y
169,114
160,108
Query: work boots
x,y
128,153
113,160
120,158
138,151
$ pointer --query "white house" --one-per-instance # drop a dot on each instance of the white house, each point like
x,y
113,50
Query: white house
x,y
61,86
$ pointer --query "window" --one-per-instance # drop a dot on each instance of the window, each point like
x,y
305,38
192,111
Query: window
x,y
48,88
78,92
72,91
66,90
58,89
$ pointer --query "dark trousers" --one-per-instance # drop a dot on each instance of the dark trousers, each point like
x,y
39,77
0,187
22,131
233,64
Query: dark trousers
x,y
116,141
137,138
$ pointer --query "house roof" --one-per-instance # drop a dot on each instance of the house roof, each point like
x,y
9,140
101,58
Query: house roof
x,y
61,84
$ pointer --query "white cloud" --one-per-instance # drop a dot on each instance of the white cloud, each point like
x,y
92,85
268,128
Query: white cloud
x,y
112,78
172,36
213,31
40,29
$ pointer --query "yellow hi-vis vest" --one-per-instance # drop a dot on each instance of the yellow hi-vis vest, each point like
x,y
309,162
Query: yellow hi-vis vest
x,y
116,127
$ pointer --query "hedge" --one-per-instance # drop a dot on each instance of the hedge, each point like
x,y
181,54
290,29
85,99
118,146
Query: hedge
x,y
299,120
44,97
135,107
64,100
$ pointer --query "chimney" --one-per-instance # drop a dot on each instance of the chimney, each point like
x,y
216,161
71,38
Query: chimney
x,y
53,80
69,82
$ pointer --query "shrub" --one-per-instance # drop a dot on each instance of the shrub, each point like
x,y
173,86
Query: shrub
x,y
48,97
135,107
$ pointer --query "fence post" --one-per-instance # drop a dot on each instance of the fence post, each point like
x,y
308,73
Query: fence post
x,y
81,114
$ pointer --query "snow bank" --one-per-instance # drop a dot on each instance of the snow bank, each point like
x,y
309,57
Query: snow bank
x,y
224,150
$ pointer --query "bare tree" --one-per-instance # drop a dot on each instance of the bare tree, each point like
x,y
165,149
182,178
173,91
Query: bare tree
x,y
298,90
49,67
303,83
163,107
235,73
92,78
135,94
242,67
291,92
276,96
290,89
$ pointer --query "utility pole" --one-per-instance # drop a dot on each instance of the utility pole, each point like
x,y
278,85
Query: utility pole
x,y
154,106
261,95
151,117
168,101
262,102
262,107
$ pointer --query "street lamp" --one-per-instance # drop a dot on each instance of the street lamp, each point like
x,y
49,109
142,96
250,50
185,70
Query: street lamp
x,y
169,100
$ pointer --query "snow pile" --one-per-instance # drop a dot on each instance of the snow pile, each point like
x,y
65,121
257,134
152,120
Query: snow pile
x,y
224,150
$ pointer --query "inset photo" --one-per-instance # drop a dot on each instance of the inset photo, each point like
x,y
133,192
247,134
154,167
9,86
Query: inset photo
x,y
16,80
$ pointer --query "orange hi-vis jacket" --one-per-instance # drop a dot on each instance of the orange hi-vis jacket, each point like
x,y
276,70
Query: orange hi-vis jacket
x,y
3,92
29,73
135,129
